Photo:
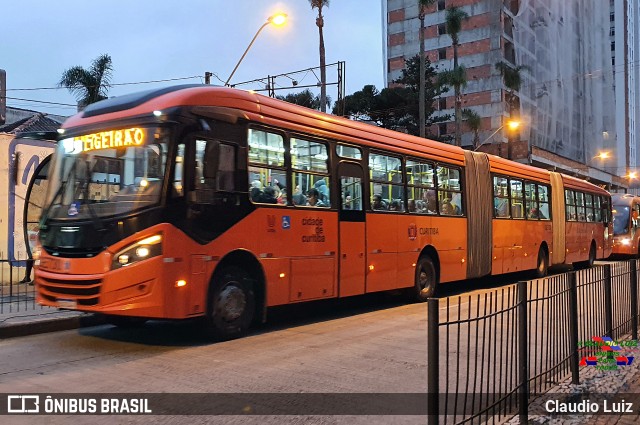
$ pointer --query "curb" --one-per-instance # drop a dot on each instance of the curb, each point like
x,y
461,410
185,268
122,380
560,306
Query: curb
x,y
49,325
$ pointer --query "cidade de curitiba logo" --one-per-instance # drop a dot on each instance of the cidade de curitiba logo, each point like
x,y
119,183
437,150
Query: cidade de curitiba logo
x,y
37,404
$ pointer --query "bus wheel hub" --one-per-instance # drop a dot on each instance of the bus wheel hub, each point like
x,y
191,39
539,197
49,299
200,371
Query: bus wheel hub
x,y
231,303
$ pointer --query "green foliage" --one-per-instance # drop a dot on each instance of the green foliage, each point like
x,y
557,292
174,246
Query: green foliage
x,y
474,121
396,108
89,85
304,98
512,78
456,77
453,20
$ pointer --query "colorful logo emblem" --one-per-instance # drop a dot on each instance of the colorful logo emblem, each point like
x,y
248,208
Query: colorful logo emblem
x,y
412,231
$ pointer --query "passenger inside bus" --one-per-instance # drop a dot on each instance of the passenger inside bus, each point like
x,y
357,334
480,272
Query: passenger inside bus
x,y
323,191
396,205
447,208
298,197
313,199
377,203
429,201
411,205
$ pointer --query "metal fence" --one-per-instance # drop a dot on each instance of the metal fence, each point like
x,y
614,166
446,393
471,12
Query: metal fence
x,y
490,353
16,298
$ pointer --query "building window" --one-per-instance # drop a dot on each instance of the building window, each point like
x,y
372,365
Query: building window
x,y
441,4
612,31
442,29
442,129
442,54
442,103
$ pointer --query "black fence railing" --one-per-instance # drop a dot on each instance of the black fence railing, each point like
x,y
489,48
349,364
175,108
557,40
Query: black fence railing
x,y
490,353
16,297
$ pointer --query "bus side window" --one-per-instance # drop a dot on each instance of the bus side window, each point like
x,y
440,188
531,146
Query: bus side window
x,y
177,188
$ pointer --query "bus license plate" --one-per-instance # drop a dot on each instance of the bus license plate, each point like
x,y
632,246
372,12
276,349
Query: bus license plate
x,y
70,304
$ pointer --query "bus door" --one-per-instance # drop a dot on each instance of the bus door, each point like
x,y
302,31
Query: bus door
x,y
352,230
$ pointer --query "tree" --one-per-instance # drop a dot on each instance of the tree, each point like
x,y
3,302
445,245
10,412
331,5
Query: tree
x,y
422,5
397,108
319,4
89,85
303,98
512,78
473,121
453,21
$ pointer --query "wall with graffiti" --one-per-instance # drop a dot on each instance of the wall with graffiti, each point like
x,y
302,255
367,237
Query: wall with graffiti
x,y
19,160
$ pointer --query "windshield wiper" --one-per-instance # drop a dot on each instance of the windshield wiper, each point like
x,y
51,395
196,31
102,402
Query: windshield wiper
x,y
45,213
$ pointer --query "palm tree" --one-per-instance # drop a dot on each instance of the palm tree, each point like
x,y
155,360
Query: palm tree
x,y
512,78
473,121
453,20
422,5
89,85
319,4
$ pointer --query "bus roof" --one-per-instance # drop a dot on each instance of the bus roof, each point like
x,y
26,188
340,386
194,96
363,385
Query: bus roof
x,y
270,111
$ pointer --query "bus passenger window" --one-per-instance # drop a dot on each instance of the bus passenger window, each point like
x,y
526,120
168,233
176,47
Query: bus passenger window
x,y
386,181
517,209
543,202
268,180
178,182
570,205
500,197
310,175
421,187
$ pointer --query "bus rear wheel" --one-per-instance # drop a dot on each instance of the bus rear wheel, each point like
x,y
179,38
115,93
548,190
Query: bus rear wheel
x,y
542,266
231,304
426,279
592,255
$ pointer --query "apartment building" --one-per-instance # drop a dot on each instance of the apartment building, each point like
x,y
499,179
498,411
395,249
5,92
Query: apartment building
x,y
567,101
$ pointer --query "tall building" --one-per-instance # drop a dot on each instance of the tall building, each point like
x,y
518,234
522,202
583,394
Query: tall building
x,y
624,28
567,100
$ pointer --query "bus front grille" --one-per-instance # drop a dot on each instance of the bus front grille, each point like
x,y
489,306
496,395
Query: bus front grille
x,y
86,292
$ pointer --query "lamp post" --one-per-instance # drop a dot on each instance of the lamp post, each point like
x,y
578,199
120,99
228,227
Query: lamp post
x,y
511,124
278,19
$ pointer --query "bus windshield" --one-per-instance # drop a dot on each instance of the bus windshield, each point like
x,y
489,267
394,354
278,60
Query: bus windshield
x,y
106,174
620,220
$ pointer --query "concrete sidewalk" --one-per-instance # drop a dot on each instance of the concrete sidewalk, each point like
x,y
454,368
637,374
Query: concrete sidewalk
x,y
20,315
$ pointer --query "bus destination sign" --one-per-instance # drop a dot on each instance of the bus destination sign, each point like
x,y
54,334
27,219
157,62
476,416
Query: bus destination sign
x,y
112,139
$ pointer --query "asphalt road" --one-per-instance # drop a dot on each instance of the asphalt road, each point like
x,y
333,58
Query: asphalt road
x,y
373,344
370,344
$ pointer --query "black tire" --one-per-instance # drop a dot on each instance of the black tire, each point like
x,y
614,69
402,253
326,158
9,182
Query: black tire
x,y
592,256
426,279
125,322
542,266
231,304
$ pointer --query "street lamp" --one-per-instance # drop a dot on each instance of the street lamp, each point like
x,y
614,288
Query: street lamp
x,y
511,124
278,20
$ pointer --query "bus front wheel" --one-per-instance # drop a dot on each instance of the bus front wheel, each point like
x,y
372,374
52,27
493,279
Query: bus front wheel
x,y
231,304
426,279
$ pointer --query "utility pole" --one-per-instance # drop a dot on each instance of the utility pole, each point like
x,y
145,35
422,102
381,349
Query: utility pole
x,y
207,77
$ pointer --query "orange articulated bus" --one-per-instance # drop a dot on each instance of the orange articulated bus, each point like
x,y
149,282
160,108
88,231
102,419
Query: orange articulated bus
x,y
626,236
207,201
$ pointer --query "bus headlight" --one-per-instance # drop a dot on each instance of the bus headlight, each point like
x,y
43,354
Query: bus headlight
x,y
143,249
625,241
